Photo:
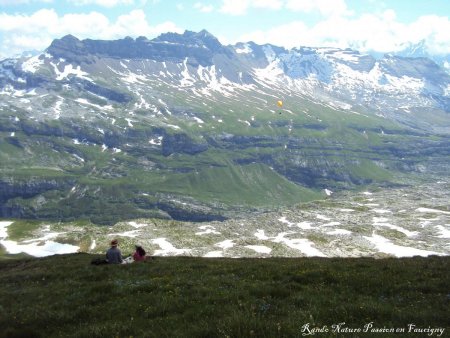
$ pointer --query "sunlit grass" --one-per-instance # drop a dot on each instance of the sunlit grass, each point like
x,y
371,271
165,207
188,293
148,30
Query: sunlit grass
x,y
195,297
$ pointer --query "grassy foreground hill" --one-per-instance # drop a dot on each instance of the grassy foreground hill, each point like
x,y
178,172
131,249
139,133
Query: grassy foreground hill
x,y
197,297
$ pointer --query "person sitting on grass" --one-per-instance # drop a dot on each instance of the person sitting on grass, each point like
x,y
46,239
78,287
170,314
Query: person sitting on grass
x,y
114,255
139,254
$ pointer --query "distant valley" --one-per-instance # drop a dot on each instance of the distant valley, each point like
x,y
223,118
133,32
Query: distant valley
x,y
182,129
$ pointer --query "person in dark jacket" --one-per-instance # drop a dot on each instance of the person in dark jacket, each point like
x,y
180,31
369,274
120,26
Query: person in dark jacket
x,y
114,255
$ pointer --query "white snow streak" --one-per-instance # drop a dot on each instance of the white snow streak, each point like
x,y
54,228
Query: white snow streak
x,y
386,246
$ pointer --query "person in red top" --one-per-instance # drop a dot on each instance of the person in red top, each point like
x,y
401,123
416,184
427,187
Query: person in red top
x,y
139,254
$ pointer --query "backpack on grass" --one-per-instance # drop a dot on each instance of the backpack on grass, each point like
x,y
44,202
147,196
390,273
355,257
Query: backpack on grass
x,y
99,261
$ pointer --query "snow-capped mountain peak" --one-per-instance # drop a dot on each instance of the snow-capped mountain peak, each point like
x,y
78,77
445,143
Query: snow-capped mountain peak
x,y
121,71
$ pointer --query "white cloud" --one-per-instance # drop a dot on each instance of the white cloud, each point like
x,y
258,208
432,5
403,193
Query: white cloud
x,y
434,29
21,2
325,7
380,32
368,32
36,31
234,7
341,28
281,35
268,4
18,43
240,7
28,24
135,24
203,8
104,3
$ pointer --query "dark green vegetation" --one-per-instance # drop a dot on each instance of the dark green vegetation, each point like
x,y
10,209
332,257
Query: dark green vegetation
x,y
168,133
194,297
198,175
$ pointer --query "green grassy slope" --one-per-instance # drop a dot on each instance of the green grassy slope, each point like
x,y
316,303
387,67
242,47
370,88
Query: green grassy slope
x,y
253,184
193,297
239,150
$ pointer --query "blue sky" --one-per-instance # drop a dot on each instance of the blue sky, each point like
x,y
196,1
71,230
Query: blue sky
x,y
366,25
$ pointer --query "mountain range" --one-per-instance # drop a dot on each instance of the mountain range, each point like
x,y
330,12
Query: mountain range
x,y
183,127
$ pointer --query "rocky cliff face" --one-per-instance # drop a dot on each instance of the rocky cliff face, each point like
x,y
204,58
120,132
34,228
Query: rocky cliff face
x,y
198,48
